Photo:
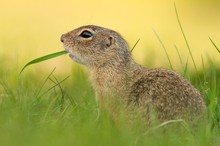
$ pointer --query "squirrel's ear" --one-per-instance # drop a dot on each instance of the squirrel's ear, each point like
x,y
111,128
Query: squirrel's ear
x,y
110,41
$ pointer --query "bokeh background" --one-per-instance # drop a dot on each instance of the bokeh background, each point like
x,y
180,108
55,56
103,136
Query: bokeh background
x,y
30,29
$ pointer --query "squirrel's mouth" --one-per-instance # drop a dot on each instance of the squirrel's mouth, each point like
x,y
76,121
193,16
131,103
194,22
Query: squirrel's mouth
x,y
66,48
69,51
74,55
71,56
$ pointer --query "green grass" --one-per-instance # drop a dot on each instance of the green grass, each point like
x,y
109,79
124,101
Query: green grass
x,y
67,114
43,58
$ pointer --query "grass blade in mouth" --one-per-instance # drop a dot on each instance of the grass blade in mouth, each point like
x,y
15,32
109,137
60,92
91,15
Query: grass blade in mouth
x,y
43,58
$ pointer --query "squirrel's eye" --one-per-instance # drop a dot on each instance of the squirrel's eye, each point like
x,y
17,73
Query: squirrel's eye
x,y
86,34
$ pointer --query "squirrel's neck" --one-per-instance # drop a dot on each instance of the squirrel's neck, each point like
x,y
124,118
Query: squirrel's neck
x,y
113,79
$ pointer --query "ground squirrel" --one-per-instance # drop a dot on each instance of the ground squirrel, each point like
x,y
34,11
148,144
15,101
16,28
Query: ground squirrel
x,y
116,76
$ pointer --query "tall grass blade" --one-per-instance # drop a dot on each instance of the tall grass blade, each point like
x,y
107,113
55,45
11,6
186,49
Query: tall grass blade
x,y
43,58
163,46
184,36
186,66
214,45
135,45
8,91
62,93
57,83
203,69
177,50
48,77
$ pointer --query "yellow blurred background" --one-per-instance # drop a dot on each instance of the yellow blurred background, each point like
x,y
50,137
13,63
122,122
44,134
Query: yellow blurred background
x,y
32,28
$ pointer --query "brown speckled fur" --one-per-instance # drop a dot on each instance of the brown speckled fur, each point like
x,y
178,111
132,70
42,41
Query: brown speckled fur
x,y
120,82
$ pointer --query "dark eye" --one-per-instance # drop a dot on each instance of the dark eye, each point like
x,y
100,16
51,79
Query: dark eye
x,y
86,34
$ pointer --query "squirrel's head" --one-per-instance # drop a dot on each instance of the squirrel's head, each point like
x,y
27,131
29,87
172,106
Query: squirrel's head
x,y
95,46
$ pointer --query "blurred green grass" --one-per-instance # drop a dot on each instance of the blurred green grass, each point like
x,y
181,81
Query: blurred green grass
x,y
68,114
